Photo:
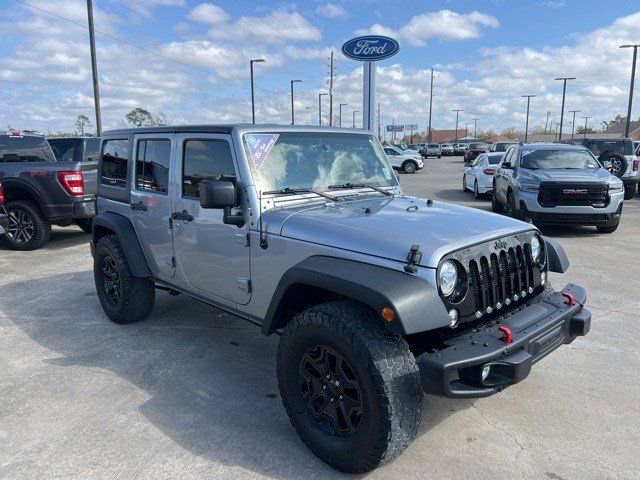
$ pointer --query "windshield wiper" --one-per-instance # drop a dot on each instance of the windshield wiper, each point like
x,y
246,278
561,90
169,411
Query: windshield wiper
x,y
295,191
360,185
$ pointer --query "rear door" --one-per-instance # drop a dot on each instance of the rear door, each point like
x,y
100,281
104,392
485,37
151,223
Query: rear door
x,y
150,204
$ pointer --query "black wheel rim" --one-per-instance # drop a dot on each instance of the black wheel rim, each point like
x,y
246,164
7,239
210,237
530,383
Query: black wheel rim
x,y
331,390
21,227
111,280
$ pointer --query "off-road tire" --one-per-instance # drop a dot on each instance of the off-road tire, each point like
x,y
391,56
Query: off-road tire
x,y
510,208
137,295
41,226
85,224
630,191
392,398
607,228
410,167
619,160
496,206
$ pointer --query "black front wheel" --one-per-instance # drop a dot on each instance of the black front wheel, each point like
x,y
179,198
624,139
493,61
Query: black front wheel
x,y
350,387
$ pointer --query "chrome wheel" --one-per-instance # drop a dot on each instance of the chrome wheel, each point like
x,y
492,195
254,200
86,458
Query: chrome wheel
x,y
21,228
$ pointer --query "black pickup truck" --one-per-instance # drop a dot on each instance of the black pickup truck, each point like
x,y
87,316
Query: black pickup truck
x,y
42,189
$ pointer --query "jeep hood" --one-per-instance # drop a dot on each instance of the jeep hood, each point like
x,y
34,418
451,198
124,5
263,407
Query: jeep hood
x,y
387,227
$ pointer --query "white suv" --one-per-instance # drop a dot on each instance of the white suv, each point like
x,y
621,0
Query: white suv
x,y
401,160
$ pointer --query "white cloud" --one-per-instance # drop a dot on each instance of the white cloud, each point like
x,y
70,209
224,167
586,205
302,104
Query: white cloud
x,y
332,11
441,25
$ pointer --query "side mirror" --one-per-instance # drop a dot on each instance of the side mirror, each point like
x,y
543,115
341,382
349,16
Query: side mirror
x,y
507,166
217,194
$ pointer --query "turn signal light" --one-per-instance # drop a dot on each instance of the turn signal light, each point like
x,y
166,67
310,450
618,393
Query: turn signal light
x,y
72,182
388,314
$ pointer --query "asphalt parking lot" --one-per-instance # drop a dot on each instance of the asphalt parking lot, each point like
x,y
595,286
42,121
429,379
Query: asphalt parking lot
x,y
192,392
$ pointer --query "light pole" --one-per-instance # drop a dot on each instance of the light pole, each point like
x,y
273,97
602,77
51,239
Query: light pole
x,y
457,112
475,127
320,108
526,128
253,104
94,68
573,124
564,91
466,129
354,118
293,115
633,78
341,105
586,119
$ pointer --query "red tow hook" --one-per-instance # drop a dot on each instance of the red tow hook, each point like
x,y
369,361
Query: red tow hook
x,y
507,334
571,301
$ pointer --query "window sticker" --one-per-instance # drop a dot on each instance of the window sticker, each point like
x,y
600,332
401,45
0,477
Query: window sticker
x,y
259,146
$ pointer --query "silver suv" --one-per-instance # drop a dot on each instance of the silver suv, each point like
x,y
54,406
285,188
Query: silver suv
x,y
377,296
557,184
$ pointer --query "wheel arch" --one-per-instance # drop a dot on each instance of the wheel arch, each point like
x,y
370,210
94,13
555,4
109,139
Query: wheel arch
x,y
110,223
17,189
417,306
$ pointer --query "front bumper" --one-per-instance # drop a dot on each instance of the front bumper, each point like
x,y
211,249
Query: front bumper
x,y
537,330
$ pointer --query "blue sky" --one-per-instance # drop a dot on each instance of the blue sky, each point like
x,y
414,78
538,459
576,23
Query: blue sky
x,y
485,53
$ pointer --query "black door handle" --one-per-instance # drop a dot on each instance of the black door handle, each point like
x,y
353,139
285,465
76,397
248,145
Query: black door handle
x,y
183,215
139,206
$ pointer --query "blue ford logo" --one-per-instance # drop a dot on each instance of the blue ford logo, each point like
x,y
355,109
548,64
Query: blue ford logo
x,y
370,48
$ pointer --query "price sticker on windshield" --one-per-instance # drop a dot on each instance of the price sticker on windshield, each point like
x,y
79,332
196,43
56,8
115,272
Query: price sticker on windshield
x,y
259,146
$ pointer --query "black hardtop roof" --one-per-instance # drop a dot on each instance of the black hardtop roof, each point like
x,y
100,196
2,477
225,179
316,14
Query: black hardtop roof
x,y
228,129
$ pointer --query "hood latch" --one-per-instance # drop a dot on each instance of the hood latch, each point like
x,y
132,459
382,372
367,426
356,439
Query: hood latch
x,y
413,259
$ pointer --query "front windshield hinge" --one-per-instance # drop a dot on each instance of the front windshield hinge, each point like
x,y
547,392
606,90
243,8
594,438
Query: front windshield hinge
x,y
413,259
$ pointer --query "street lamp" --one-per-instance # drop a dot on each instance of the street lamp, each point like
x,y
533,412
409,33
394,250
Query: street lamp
x,y
475,127
253,104
354,118
586,119
457,112
633,78
573,124
564,91
320,108
293,115
341,105
526,128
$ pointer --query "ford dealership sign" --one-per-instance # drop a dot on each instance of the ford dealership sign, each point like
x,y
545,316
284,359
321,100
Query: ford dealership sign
x,y
370,48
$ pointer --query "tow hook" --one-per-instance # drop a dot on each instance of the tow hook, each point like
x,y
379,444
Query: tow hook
x,y
571,301
508,337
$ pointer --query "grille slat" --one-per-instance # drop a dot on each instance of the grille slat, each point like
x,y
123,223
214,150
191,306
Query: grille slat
x,y
553,194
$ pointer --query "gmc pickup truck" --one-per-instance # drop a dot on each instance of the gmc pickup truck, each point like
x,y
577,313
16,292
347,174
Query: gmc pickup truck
x,y
41,190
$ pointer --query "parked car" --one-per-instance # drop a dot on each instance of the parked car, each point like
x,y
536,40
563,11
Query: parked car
x,y
557,184
376,296
40,191
446,148
431,150
619,157
401,160
459,148
478,177
4,218
473,151
406,149
75,149
502,146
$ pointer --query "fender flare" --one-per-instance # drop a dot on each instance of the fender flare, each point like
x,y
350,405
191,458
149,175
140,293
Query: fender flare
x,y
556,256
416,303
127,237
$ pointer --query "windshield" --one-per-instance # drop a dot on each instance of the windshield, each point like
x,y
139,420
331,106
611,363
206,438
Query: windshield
x,y
557,159
495,159
316,160
477,145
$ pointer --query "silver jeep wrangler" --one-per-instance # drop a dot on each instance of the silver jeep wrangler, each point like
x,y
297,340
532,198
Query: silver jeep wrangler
x,y
377,296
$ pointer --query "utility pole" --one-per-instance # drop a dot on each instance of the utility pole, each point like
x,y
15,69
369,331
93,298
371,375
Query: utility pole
x,y
94,68
320,108
293,115
340,109
331,89
466,129
558,132
573,124
475,127
526,128
379,135
633,79
546,123
564,91
354,118
430,107
393,131
586,119
457,113
253,104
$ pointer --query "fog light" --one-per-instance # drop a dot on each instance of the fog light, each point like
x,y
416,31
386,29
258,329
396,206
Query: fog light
x,y
453,315
486,370
543,278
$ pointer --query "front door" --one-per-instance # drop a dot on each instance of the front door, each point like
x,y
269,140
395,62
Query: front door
x,y
212,256
150,203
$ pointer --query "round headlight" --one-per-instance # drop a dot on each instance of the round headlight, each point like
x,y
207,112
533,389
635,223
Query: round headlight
x,y
535,249
448,278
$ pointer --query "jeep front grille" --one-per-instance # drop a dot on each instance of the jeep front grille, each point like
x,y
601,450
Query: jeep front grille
x,y
553,194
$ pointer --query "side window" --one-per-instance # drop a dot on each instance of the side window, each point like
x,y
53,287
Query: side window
x,y
115,156
91,150
389,151
152,165
205,160
507,156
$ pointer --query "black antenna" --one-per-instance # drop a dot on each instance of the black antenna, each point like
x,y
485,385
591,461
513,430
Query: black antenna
x,y
263,238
